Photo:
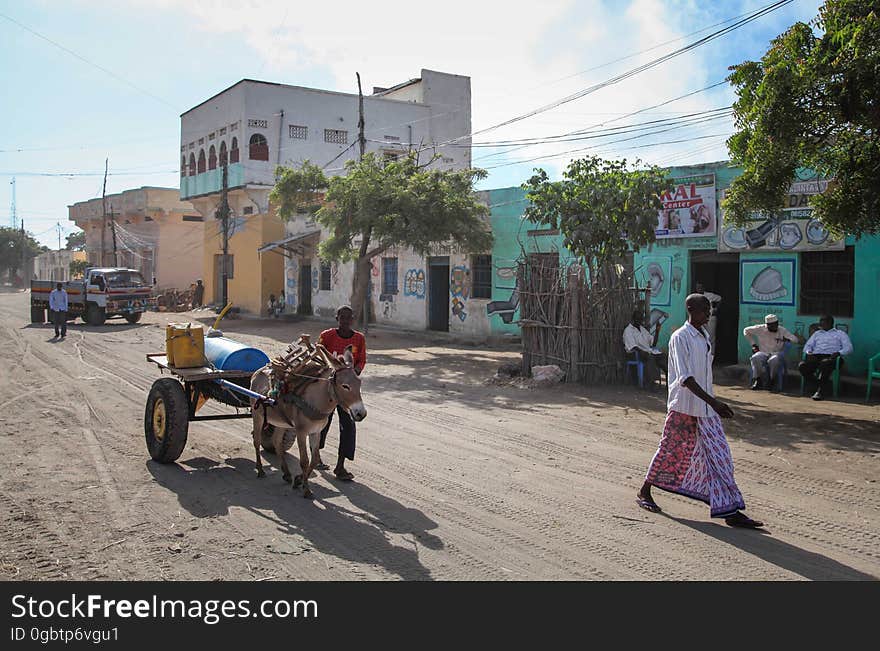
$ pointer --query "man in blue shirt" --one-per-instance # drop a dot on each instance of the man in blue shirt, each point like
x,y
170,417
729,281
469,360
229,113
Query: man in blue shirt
x,y
58,307
822,349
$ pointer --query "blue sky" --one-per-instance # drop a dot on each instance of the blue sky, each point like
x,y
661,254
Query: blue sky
x,y
147,61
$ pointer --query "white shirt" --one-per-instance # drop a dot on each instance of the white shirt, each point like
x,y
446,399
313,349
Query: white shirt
x,y
640,338
768,342
828,342
58,300
690,355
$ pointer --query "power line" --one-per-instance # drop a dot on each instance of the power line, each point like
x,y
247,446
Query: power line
x,y
91,63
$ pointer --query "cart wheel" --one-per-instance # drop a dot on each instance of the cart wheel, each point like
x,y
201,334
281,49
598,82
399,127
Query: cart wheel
x,y
166,420
38,314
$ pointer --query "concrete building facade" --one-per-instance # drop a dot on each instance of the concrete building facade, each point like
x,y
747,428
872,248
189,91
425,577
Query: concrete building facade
x,y
155,231
55,265
254,126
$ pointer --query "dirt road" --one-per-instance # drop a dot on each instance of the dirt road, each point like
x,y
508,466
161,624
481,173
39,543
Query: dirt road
x,y
455,479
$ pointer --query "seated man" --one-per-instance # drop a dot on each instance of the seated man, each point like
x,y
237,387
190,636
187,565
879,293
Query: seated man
x,y
767,343
822,350
636,338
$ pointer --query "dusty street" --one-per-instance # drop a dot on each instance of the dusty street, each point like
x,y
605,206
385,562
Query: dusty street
x,y
455,479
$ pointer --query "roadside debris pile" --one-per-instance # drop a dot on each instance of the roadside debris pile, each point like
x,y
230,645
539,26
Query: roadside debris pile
x,y
510,374
174,300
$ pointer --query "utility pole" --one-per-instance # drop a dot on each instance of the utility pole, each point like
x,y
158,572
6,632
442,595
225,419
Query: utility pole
x,y
113,230
223,215
362,141
12,208
23,255
104,221
58,226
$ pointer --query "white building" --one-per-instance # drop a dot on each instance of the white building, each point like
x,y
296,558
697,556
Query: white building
x,y
254,126
55,265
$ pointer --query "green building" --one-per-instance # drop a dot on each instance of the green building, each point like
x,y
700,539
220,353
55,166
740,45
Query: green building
x,y
790,266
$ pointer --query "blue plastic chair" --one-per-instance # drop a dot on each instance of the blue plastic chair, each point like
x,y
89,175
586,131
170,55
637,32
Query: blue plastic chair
x,y
640,367
780,372
873,372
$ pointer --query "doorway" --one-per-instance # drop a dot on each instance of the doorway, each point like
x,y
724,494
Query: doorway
x,y
438,293
719,273
304,306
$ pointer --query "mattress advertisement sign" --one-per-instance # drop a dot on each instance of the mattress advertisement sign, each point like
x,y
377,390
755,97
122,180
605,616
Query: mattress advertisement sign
x,y
792,229
688,208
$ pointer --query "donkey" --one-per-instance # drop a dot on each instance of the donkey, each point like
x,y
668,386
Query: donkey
x,y
275,427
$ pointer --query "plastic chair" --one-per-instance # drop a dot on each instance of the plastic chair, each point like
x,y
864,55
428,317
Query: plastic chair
x,y
780,372
835,376
873,372
640,367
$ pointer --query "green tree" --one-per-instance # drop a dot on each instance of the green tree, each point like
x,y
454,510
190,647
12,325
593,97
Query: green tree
x,y
813,100
602,208
11,250
378,205
77,268
76,241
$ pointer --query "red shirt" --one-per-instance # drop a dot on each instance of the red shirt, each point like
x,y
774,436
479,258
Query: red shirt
x,y
332,341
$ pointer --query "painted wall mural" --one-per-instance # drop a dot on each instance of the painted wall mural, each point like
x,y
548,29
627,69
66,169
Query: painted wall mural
x,y
291,295
315,278
656,272
414,283
458,283
505,280
792,229
458,308
767,282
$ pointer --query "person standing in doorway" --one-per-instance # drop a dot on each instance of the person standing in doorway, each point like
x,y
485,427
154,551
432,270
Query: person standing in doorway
x,y
58,307
336,340
693,458
198,294
715,304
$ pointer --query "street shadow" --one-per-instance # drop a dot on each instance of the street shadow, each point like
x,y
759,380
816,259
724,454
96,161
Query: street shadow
x,y
207,488
809,565
76,327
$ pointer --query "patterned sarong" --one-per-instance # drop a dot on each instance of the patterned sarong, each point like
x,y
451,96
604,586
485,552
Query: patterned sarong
x,y
694,460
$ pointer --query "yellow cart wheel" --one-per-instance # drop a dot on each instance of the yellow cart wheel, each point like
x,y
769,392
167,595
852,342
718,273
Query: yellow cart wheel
x,y
166,420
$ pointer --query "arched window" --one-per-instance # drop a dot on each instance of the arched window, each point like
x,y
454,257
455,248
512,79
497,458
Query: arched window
x,y
183,165
212,158
224,157
201,160
233,151
192,165
259,148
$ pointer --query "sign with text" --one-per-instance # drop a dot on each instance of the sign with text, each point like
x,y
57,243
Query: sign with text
x,y
688,208
793,229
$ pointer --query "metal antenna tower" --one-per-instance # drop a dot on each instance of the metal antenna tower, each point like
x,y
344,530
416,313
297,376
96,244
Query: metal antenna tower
x,y
12,209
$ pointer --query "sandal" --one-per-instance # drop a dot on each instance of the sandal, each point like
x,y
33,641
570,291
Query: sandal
x,y
741,520
648,505
343,475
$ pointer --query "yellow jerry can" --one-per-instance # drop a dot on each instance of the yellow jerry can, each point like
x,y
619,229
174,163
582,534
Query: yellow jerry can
x,y
185,345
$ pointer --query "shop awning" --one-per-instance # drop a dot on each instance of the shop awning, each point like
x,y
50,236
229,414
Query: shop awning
x,y
289,246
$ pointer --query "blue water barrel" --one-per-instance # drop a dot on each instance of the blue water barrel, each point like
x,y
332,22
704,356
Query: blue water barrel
x,y
228,355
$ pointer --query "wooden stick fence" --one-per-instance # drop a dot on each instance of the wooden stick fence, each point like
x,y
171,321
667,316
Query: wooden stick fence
x,y
575,323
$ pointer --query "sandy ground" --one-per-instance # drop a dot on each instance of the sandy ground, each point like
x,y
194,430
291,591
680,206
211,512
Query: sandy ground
x,y
455,479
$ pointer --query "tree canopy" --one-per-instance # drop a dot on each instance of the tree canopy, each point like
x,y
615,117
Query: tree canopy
x,y
76,241
813,100
378,204
602,208
10,249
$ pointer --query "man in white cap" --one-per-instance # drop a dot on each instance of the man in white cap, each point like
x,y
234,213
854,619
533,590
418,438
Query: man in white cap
x,y
767,344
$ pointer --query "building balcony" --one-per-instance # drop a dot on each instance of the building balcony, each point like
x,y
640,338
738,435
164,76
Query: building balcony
x,y
211,181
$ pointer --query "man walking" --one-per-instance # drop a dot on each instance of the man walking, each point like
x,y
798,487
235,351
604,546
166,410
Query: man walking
x,y
822,349
693,458
768,341
58,307
336,340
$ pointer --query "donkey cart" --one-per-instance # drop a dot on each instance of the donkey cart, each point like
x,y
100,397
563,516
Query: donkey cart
x,y
173,402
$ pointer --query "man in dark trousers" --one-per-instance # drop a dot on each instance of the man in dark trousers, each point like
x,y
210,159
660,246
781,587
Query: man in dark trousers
x,y
58,308
336,340
198,294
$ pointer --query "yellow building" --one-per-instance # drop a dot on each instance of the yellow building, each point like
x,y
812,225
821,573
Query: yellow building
x,y
154,232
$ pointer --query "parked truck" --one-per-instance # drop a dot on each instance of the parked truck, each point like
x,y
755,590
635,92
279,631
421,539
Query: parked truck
x,y
102,293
